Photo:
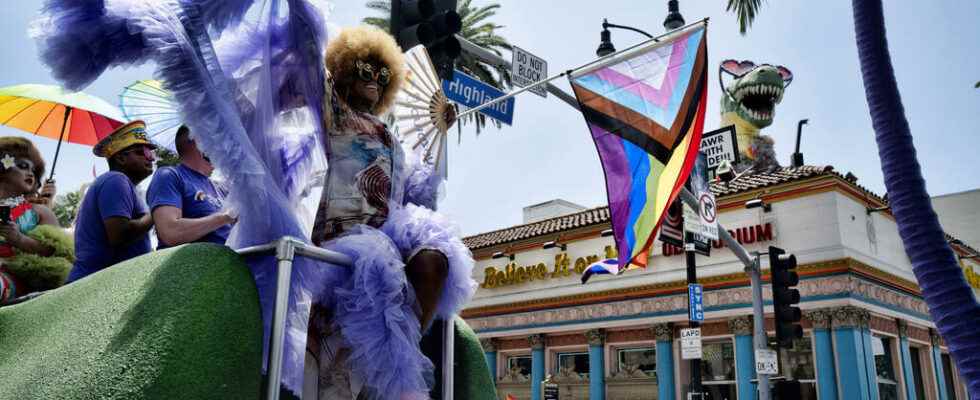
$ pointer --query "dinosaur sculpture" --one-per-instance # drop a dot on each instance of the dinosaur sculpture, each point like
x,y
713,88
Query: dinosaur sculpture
x,y
749,103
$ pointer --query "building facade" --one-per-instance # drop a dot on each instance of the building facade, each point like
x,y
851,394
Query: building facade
x,y
868,334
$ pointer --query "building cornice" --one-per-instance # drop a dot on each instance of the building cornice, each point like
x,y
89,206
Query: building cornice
x,y
813,270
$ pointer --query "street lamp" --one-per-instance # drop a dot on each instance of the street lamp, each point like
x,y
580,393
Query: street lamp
x,y
605,44
674,19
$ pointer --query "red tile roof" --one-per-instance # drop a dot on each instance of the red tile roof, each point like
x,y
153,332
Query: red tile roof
x,y
601,214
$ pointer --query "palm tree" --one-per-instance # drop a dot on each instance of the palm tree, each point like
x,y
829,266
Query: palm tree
x,y
476,29
66,207
952,304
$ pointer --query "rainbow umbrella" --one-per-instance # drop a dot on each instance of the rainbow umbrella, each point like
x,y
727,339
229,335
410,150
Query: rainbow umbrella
x,y
52,112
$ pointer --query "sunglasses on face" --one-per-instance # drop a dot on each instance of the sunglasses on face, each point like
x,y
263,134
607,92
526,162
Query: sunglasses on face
x,y
366,72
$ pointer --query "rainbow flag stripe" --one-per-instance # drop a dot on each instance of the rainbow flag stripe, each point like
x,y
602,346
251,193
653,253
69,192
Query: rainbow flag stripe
x,y
645,109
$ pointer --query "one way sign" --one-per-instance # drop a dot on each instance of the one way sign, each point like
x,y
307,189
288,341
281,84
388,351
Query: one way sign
x,y
695,306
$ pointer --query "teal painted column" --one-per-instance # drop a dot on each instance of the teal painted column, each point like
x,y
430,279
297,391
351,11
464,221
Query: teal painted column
x,y
597,364
852,367
741,327
664,334
490,351
869,357
823,350
905,353
537,364
937,364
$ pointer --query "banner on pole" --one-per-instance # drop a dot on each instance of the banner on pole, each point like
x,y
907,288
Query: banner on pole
x,y
645,110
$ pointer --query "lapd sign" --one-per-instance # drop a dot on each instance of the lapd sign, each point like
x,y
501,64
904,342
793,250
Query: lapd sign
x,y
691,344
526,69
720,145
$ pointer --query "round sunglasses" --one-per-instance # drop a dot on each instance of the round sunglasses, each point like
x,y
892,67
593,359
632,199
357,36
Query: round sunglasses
x,y
366,72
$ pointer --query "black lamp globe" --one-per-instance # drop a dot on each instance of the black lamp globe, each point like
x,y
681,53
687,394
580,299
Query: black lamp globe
x,y
674,19
605,45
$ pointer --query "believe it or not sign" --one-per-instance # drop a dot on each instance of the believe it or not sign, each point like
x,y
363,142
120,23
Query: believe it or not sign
x,y
720,145
695,302
766,362
527,68
471,92
691,344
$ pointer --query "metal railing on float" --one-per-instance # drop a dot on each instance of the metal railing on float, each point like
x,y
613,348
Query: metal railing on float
x,y
288,248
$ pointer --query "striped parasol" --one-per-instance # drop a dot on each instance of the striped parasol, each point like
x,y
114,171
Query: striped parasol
x,y
52,112
148,101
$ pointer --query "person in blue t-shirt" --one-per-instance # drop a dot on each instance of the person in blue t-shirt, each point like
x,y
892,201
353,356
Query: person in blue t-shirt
x,y
113,223
185,204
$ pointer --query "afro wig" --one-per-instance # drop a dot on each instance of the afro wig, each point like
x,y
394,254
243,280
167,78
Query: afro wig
x,y
370,44
19,147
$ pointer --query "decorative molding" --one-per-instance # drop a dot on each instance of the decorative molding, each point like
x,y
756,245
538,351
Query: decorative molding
x,y
488,345
663,332
920,334
819,318
629,335
827,268
536,341
903,328
513,343
564,340
850,317
715,328
886,325
740,326
596,337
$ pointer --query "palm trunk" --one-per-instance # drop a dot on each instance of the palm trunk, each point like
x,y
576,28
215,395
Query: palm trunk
x,y
951,301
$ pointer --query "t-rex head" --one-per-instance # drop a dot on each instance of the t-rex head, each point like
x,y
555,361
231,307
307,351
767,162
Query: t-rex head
x,y
755,90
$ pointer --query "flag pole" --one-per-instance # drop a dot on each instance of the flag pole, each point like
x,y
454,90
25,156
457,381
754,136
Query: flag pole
x,y
571,71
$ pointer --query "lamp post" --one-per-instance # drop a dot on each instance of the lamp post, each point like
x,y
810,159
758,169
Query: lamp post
x,y
797,156
605,44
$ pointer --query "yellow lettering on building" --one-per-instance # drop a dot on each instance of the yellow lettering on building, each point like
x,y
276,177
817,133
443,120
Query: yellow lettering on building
x,y
512,274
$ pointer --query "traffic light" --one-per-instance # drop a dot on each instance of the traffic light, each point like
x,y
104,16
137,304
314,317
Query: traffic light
x,y
431,23
787,390
785,296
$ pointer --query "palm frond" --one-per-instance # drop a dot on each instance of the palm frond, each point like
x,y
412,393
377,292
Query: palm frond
x,y
745,10
379,22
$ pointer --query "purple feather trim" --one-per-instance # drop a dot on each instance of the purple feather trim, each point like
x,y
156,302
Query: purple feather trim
x,y
374,313
422,185
411,228
80,39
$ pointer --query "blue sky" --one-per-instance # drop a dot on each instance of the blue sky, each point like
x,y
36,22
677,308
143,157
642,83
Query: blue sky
x,y
548,152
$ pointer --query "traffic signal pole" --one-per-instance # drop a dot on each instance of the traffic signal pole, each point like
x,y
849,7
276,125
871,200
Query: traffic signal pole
x,y
758,322
692,278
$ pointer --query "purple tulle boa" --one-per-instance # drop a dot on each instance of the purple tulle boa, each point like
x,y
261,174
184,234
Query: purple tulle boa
x,y
412,228
422,185
374,308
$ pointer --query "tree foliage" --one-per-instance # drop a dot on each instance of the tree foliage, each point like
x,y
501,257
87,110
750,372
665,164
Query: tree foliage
x,y
66,207
478,29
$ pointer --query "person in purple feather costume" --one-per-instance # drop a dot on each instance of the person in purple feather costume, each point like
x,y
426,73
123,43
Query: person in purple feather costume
x,y
248,93
371,207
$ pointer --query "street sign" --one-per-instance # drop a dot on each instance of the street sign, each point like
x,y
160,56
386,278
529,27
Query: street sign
x,y
527,68
695,302
766,362
704,223
720,145
470,92
550,391
691,344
